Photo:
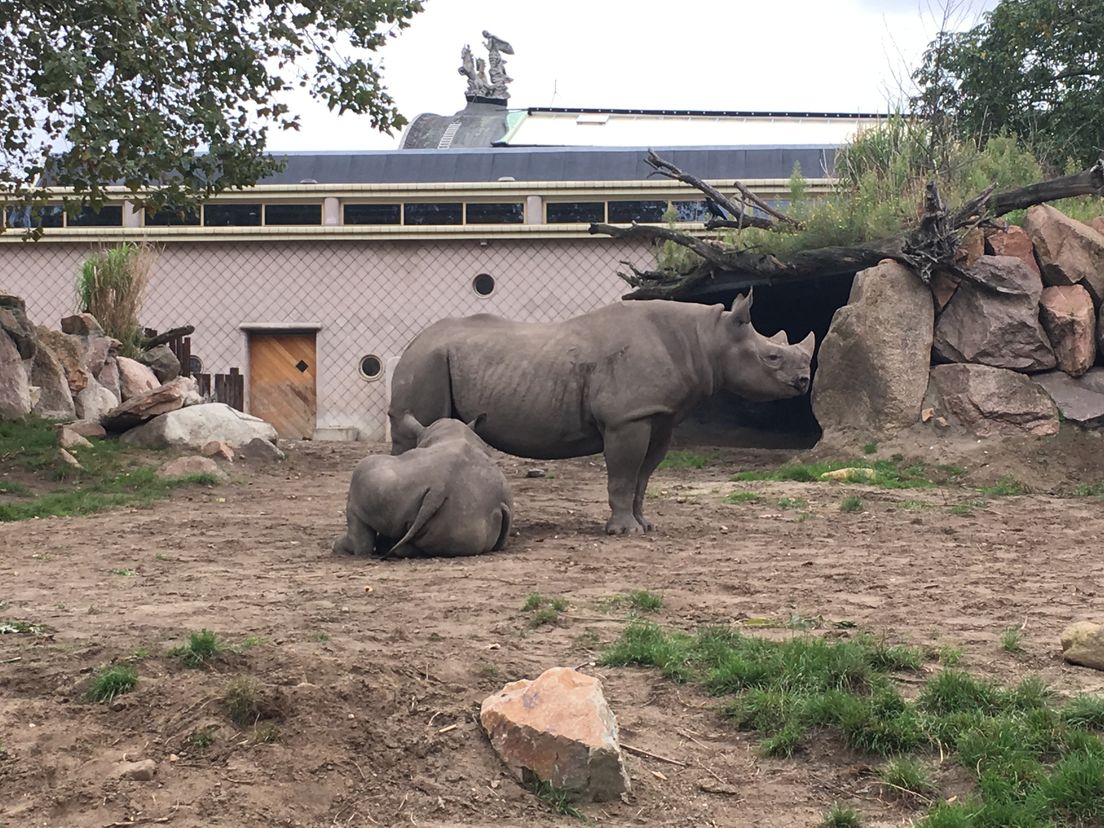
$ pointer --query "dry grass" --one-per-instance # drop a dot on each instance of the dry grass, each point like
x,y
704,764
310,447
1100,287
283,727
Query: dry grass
x,y
112,287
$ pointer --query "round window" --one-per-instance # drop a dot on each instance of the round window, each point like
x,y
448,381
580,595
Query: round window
x,y
371,367
483,284
195,365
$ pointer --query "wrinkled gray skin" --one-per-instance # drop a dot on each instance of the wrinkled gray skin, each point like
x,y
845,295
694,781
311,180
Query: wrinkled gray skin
x,y
444,497
615,380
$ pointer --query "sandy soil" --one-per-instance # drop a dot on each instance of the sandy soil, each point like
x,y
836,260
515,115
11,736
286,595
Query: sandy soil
x,y
379,687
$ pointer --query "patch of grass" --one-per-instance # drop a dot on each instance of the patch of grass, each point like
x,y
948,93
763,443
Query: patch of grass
x,y
22,628
1012,640
888,474
851,503
840,816
321,636
247,703
1035,760
266,733
202,647
949,656
544,609
743,497
792,503
1005,487
557,799
914,505
680,460
126,573
200,739
966,508
488,671
645,601
111,682
870,448
1082,490
10,487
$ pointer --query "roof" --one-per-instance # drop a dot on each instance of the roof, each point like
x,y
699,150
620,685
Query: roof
x,y
548,164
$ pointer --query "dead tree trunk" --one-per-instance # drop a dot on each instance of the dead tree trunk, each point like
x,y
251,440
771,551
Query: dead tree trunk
x,y
929,246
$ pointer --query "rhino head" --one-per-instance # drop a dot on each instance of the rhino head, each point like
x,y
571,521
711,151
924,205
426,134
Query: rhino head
x,y
757,367
443,430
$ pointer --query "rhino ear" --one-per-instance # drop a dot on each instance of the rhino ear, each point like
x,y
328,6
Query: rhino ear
x,y
779,338
479,418
411,425
808,344
741,308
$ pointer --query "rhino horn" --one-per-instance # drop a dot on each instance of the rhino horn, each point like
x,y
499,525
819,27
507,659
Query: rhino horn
x,y
741,307
779,338
808,344
478,419
411,425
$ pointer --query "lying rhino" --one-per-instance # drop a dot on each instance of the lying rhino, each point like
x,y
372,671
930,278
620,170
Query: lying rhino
x,y
444,497
615,380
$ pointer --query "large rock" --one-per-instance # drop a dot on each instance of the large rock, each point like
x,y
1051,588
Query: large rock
x,y
1013,241
97,351
1079,399
559,729
1070,323
171,396
260,450
14,323
69,351
1096,224
994,401
995,323
55,401
195,426
873,363
108,377
135,378
1069,251
1083,643
81,324
15,392
162,361
190,466
94,401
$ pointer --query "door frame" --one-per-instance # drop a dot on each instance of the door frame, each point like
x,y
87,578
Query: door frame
x,y
250,328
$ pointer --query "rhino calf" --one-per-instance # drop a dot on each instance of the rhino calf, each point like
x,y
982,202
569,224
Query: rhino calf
x,y
444,497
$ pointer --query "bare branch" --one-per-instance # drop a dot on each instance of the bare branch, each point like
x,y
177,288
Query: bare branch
x,y
743,219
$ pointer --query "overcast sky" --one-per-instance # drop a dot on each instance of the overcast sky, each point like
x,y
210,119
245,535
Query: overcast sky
x,y
794,55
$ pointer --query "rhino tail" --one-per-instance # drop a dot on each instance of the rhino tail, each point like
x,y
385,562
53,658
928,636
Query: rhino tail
x,y
504,531
429,505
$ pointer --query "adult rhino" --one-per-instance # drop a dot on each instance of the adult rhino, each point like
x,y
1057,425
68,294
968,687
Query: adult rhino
x,y
615,380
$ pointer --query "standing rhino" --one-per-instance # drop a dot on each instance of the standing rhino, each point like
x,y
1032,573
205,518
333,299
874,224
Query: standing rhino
x,y
443,497
615,380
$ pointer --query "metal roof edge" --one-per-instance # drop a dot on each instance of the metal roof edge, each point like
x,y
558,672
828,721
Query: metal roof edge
x,y
711,113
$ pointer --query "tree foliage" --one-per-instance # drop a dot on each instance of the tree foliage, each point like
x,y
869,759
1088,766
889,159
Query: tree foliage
x,y
1031,68
175,94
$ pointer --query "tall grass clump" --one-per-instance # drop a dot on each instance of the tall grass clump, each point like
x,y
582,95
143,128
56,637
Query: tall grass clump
x,y
112,287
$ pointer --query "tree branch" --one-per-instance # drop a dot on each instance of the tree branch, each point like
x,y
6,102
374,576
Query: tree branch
x,y
743,219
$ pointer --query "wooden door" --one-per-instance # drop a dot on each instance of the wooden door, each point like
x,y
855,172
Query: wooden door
x,y
282,375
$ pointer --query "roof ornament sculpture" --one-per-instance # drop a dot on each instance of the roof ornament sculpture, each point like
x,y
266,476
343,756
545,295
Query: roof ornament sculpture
x,y
476,70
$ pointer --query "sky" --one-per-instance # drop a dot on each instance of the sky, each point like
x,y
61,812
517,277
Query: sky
x,y
791,55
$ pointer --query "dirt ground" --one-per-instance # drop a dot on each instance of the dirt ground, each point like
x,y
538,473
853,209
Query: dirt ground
x,y
379,666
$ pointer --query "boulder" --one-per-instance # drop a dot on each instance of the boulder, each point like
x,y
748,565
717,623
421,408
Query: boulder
x,y
162,361
15,392
1013,241
996,322
141,771
67,461
559,729
190,467
55,401
67,439
195,426
171,396
1083,643
218,450
1069,251
873,363
260,450
14,323
994,401
94,401
1070,323
69,352
97,350
1096,224
135,378
81,324
1079,399
943,286
88,428
108,377
971,248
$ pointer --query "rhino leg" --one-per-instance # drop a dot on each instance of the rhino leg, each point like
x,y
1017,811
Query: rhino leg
x,y
359,538
625,447
657,450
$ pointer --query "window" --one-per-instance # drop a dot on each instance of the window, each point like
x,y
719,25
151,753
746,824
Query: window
x,y
371,367
104,217
232,215
483,284
691,211
35,217
573,212
623,212
373,213
283,214
168,217
504,213
442,213
195,365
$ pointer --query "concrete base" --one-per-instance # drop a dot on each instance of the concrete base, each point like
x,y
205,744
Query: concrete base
x,y
337,435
